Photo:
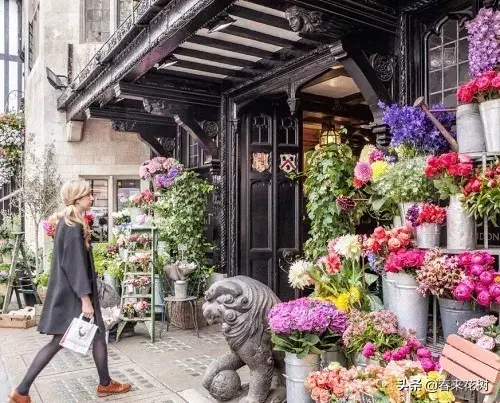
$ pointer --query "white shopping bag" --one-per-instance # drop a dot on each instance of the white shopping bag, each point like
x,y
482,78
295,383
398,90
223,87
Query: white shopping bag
x,y
79,335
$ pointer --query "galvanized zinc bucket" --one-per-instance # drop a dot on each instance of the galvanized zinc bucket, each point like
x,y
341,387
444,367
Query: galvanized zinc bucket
x,y
335,354
490,116
297,370
428,235
470,135
460,228
411,307
455,313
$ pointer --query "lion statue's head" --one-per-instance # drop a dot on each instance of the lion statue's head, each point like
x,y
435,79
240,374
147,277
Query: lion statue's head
x,y
241,305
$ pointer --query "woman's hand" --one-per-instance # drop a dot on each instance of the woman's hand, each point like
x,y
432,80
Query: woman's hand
x,y
87,308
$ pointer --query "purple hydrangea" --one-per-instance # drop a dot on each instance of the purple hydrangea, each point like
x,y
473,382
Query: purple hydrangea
x,y
411,127
484,47
306,315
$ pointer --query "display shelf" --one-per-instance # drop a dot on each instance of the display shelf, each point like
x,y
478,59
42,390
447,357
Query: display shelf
x,y
149,320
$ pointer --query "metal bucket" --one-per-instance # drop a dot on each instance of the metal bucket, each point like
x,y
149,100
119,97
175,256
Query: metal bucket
x,y
397,221
470,134
335,354
410,307
180,289
297,370
428,235
385,293
403,209
490,116
359,360
460,228
455,313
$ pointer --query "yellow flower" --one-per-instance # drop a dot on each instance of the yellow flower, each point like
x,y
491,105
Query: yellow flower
x,y
342,302
445,396
379,168
497,279
435,376
355,294
364,156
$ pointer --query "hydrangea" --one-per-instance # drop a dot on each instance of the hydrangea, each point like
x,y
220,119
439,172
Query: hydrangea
x,y
483,37
486,342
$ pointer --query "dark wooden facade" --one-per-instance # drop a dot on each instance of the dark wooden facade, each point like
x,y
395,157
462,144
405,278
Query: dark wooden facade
x,y
215,109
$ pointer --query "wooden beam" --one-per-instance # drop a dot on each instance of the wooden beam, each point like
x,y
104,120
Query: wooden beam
x,y
259,36
257,16
241,74
353,97
198,54
128,114
230,46
359,112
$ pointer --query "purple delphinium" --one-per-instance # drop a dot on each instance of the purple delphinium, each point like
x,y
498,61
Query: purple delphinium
x,y
484,47
411,127
412,215
374,262
307,316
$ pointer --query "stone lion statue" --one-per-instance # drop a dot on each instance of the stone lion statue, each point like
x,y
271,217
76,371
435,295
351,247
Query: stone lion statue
x,y
241,305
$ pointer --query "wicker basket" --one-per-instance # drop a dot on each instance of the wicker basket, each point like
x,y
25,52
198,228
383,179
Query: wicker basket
x,y
180,316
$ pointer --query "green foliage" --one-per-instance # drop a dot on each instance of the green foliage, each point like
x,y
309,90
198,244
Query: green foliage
x,y
485,203
329,175
181,220
100,257
6,247
10,223
43,279
405,182
197,280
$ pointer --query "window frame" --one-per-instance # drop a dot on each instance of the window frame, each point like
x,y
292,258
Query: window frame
x,y
83,22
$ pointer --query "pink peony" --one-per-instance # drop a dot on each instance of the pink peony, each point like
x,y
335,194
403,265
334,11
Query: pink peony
x,y
494,290
487,277
462,292
363,171
478,258
369,350
424,352
387,356
484,298
477,269
428,364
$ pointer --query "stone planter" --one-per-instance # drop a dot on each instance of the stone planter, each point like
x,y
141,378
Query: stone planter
x,y
410,307
297,369
460,228
470,134
428,235
335,354
490,116
455,313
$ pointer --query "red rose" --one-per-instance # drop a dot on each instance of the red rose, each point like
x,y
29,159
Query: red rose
x,y
472,85
465,158
496,82
490,75
432,161
447,160
464,169
465,95
454,170
476,186
430,172
483,83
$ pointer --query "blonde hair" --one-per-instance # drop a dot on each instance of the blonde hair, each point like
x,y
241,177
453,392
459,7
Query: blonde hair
x,y
72,191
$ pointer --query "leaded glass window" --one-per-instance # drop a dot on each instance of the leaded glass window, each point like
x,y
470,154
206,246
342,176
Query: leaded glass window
x,y
447,63
125,8
97,19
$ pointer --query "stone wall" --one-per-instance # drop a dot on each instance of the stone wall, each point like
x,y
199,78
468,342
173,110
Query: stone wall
x,y
102,152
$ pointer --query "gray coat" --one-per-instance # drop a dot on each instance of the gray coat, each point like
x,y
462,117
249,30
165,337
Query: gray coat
x,y
72,275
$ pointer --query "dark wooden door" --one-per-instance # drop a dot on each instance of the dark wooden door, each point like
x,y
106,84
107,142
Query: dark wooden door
x,y
270,202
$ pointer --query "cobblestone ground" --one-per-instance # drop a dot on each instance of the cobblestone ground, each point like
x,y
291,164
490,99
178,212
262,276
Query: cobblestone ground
x,y
167,371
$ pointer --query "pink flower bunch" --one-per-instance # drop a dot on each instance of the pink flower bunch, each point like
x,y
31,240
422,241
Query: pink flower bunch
x,y
49,225
413,350
484,332
142,199
483,88
160,166
383,242
408,261
480,283
363,172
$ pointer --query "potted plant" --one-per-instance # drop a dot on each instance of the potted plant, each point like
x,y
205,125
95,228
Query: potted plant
x,y
6,252
456,281
129,310
379,328
141,308
303,328
4,279
450,173
145,283
484,62
163,172
427,219
41,284
138,203
481,193
401,268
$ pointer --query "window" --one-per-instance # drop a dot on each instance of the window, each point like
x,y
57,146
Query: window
x,y
96,14
100,208
447,63
125,8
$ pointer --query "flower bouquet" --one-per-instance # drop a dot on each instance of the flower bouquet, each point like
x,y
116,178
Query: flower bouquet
x,y
339,276
484,332
427,219
49,225
483,88
141,307
145,284
405,261
481,194
141,261
121,217
129,309
162,170
306,326
449,172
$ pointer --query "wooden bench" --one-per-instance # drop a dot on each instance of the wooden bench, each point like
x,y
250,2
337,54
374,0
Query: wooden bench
x,y
468,362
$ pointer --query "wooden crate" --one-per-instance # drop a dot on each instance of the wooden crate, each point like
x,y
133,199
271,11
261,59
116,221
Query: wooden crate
x,y
20,322
180,316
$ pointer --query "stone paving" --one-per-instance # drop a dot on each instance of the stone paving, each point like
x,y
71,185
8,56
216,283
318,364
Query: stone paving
x,y
167,371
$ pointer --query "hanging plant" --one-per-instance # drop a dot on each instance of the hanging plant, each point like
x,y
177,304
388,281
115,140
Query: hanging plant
x,y
11,145
331,196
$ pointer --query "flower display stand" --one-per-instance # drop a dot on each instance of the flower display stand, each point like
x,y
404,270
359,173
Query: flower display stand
x,y
132,274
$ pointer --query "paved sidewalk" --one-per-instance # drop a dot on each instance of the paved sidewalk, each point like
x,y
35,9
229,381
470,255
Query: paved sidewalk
x,y
167,371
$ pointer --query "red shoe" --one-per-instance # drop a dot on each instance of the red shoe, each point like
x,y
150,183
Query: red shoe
x,y
15,397
114,388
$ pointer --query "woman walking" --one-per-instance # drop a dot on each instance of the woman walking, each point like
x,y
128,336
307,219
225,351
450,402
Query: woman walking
x,y
72,290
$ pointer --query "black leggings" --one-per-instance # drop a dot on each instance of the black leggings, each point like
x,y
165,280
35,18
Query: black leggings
x,y
45,355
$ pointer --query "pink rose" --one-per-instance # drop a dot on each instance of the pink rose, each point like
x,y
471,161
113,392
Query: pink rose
x,y
394,244
483,83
